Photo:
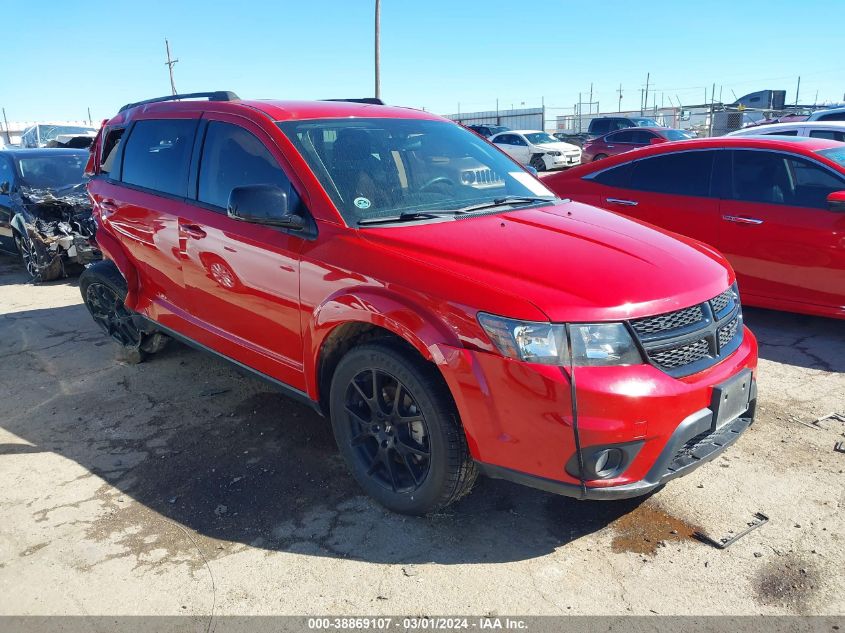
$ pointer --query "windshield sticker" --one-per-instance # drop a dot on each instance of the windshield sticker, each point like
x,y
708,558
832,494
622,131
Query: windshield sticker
x,y
362,203
534,185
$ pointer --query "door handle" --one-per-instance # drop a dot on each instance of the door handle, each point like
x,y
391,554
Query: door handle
x,y
610,146
738,219
192,230
624,203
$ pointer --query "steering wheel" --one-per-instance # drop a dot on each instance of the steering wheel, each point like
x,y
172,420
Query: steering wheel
x,y
439,180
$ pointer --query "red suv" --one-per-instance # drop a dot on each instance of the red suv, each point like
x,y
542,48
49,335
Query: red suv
x,y
436,301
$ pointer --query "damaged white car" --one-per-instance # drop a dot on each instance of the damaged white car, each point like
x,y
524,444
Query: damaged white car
x,y
45,211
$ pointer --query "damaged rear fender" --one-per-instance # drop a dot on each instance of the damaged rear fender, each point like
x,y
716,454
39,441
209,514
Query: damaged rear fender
x,y
113,251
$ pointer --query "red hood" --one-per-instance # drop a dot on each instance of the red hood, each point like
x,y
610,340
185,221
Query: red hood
x,y
572,261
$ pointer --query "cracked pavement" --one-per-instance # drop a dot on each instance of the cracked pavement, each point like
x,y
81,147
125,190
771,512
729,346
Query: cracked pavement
x,y
181,486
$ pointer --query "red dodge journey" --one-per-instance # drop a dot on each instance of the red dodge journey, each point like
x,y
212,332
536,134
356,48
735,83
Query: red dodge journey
x,y
441,306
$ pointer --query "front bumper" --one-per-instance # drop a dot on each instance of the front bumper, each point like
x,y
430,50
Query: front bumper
x,y
690,446
520,426
563,161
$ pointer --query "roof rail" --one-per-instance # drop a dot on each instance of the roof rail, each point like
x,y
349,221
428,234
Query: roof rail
x,y
217,95
370,100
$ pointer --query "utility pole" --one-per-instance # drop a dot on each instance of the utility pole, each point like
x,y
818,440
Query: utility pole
x,y
647,77
378,47
591,97
641,101
797,90
620,97
169,63
90,120
6,125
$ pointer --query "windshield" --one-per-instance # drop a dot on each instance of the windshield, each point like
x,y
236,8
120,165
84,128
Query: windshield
x,y
53,172
49,132
677,135
378,168
646,123
538,138
836,154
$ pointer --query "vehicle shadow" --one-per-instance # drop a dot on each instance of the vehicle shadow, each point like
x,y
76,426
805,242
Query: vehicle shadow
x,y
12,272
798,339
197,442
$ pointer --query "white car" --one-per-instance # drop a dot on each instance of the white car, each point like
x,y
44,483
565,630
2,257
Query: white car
x,y
833,130
539,150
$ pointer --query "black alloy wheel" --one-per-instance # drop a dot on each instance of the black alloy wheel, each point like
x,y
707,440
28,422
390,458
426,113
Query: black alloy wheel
x,y
389,435
398,429
111,315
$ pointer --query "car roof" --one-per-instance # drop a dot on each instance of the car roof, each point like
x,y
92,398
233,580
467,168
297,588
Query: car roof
x,y
801,144
795,125
826,111
29,152
281,110
523,132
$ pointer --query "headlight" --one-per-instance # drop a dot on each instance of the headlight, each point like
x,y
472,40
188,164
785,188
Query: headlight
x,y
545,343
553,153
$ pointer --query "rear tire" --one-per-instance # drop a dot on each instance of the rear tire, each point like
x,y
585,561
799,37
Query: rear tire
x,y
104,291
599,157
398,430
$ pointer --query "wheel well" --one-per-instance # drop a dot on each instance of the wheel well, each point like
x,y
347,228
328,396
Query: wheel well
x,y
343,338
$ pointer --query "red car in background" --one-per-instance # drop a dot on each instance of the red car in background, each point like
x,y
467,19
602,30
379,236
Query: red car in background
x,y
628,139
775,206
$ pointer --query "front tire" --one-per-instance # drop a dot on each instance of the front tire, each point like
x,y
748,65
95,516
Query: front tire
x,y
36,259
397,428
538,163
599,157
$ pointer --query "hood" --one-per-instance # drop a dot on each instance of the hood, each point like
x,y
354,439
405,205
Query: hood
x,y
572,261
560,147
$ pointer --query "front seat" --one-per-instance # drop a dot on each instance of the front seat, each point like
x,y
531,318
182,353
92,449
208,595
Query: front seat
x,y
357,172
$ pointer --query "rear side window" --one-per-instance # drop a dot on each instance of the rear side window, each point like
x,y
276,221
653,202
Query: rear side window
x,y
615,177
621,137
233,157
680,174
783,133
832,135
111,148
158,155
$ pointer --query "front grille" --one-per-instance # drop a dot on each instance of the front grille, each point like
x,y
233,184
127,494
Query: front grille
x,y
691,339
720,303
680,356
670,321
727,332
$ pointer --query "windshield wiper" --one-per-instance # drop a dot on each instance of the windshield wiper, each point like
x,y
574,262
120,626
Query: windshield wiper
x,y
499,202
409,216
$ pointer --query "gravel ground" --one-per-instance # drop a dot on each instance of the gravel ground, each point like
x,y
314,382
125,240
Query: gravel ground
x,y
180,486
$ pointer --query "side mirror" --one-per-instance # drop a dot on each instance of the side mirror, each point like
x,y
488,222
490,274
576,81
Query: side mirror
x,y
4,187
836,201
532,171
656,140
263,204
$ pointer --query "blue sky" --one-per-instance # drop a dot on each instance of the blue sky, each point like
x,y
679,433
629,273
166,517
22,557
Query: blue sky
x,y
68,56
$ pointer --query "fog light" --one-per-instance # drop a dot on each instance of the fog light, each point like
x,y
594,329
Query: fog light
x,y
607,462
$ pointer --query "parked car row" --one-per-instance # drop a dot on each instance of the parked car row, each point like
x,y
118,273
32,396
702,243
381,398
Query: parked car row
x,y
450,313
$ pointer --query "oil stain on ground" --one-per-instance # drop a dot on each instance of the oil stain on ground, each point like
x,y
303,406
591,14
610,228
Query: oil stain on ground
x,y
647,528
788,582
